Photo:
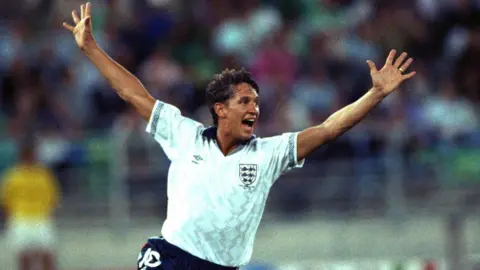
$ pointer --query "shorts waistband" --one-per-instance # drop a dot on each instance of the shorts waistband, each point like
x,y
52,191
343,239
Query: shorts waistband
x,y
208,265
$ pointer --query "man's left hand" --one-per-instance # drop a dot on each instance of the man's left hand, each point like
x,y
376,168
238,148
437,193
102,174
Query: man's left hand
x,y
387,79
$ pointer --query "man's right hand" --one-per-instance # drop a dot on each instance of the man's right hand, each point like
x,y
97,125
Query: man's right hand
x,y
83,28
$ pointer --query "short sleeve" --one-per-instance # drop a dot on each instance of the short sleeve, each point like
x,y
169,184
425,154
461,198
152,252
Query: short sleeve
x,y
282,154
171,130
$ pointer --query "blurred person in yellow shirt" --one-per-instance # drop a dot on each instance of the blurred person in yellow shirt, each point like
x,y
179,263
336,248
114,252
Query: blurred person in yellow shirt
x,y
29,194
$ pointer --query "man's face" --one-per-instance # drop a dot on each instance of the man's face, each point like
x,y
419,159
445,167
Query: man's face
x,y
241,112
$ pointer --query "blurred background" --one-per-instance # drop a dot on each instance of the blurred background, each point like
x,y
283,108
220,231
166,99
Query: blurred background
x,y
399,191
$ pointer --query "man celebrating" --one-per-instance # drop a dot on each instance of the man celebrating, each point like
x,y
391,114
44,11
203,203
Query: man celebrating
x,y
220,176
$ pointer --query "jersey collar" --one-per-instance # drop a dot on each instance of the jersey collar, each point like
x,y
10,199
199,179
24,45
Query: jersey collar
x,y
211,133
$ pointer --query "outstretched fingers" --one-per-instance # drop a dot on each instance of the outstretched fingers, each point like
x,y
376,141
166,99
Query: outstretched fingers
x,y
409,75
372,66
400,59
85,13
390,57
76,20
88,10
68,27
82,11
407,64
75,17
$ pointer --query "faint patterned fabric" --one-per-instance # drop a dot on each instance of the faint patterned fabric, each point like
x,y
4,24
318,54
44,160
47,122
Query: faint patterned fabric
x,y
216,202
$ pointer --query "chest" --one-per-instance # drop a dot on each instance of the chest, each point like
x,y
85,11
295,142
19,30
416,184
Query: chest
x,y
205,170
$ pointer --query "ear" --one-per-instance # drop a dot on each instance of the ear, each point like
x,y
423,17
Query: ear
x,y
220,110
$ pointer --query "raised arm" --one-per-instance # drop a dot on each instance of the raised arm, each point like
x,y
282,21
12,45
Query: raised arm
x,y
384,81
127,86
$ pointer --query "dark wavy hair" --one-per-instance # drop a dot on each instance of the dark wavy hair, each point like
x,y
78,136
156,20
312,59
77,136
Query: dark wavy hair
x,y
221,87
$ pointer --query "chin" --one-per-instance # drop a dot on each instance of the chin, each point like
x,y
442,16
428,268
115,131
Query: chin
x,y
247,136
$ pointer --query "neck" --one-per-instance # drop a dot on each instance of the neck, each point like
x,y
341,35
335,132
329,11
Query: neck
x,y
225,141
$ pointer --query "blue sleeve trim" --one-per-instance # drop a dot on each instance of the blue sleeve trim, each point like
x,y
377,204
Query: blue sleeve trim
x,y
291,150
155,118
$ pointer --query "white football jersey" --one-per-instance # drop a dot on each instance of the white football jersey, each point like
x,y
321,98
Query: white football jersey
x,y
216,202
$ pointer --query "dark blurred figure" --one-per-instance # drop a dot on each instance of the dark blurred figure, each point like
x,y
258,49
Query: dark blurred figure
x,y
29,194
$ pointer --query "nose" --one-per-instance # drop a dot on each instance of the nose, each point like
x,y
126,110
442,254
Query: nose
x,y
253,109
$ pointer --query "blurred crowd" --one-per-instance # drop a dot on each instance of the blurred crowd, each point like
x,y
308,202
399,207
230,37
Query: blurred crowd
x,y
308,57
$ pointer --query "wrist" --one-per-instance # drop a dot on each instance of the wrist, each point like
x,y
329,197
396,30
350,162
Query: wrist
x,y
378,92
90,49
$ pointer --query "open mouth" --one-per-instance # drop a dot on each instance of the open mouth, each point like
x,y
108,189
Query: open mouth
x,y
248,122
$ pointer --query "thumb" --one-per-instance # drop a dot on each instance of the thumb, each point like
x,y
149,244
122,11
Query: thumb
x,y
372,66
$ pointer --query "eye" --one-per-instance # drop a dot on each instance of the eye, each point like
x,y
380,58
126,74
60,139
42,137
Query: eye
x,y
243,101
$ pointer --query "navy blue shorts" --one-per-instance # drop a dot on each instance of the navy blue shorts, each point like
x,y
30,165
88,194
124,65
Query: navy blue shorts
x,y
158,254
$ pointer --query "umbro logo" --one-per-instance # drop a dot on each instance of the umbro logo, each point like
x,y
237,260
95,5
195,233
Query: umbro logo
x,y
197,159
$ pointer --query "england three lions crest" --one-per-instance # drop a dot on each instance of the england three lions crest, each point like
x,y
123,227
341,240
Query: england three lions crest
x,y
248,175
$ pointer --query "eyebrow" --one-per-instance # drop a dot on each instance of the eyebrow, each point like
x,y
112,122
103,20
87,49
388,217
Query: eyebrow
x,y
257,98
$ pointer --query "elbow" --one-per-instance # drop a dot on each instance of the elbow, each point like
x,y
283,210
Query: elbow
x,y
128,89
130,95
131,92
123,93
